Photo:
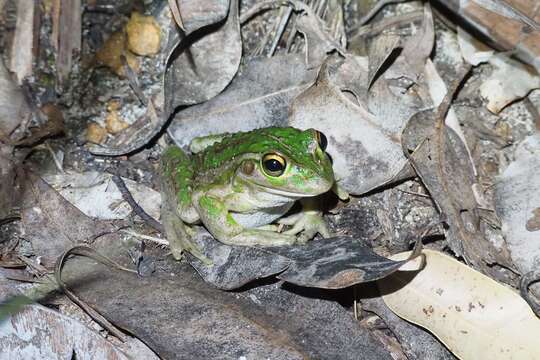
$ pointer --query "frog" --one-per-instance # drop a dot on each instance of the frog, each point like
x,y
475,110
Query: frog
x,y
240,186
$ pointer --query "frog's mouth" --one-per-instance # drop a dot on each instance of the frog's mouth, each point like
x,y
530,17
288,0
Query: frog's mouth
x,y
285,193
293,194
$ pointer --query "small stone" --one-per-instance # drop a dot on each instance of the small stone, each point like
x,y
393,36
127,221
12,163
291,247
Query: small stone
x,y
143,35
96,133
110,53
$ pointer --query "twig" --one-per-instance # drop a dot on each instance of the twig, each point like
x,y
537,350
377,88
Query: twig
x,y
375,28
146,237
414,193
175,10
274,4
55,158
134,206
280,30
133,81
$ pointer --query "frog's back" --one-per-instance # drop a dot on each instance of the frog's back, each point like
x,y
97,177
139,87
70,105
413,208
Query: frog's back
x,y
289,140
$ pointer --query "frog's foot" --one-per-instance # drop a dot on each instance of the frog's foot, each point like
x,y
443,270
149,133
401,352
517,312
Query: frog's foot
x,y
309,223
269,227
180,238
261,237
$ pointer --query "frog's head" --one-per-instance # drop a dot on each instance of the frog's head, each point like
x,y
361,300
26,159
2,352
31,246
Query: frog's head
x,y
289,162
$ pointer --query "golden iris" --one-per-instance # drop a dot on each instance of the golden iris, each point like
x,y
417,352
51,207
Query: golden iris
x,y
274,164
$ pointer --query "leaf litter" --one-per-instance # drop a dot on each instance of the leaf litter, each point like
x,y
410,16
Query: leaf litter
x,y
386,111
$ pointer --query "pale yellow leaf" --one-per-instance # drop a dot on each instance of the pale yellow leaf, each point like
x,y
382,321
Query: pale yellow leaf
x,y
473,315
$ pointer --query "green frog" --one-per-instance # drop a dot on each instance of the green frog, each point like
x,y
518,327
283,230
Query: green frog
x,y
237,185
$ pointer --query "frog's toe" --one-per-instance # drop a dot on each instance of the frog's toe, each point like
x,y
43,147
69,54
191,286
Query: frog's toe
x,y
290,220
309,223
269,227
177,253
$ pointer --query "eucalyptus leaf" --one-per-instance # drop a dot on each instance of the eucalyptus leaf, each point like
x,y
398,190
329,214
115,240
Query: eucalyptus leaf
x,y
331,263
473,315
180,316
365,150
41,333
258,97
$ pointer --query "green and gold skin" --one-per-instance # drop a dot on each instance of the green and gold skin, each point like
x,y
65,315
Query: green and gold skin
x,y
238,185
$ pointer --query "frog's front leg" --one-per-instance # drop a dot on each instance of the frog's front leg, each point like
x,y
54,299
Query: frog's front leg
x,y
309,221
220,222
176,170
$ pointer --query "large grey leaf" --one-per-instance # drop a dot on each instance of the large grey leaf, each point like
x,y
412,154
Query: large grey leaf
x,y
41,333
8,187
14,108
196,14
366,152
181,317
331,263
258,97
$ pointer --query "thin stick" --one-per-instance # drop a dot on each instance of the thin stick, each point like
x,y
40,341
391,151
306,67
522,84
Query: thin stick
x,y
146,237
134,206
133,81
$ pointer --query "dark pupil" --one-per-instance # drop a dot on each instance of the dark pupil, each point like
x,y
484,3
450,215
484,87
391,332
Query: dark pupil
x,y
323,142
273,165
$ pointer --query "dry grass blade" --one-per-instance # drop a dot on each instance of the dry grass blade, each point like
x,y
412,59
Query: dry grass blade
x,y
175,10
86,251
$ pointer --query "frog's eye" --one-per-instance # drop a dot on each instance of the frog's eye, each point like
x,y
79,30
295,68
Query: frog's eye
x,y
274,164
322,140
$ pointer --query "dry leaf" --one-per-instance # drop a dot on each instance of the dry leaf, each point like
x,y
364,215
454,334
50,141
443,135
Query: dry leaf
x,y
366,151
14,109
319,43
331,263
9,194
472,50
509,82
41,333
415,342
51,223
181,317
258,97
96,195
67,35
473,315
416,50
21,55
517,201
196,14
441,160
